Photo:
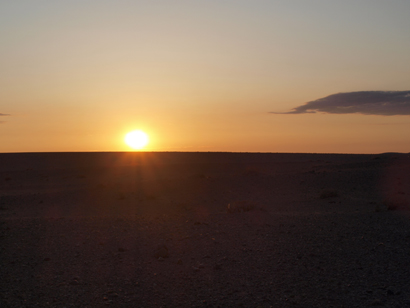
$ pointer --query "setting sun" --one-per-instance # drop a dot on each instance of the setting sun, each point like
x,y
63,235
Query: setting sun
x,y
136,139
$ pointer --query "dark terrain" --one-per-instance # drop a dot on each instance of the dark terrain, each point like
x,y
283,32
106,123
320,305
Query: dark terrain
x,y
204,230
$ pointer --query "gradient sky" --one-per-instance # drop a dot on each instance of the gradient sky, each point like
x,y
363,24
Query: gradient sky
x,y
205,75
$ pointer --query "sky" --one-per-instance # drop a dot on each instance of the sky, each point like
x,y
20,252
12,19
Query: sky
x,y
314,76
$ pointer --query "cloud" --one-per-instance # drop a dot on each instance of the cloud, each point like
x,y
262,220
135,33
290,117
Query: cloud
x,y
3,115
386,103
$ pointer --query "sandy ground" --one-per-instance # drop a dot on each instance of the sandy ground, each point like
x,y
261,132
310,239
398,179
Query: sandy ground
x,y
204,230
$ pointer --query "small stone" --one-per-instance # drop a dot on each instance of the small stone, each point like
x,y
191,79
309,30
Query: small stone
x,y
179,261
392,291
161,251
121,249
376,302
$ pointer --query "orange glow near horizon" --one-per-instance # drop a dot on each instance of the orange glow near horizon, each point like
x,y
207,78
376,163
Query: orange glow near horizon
x,y
78,77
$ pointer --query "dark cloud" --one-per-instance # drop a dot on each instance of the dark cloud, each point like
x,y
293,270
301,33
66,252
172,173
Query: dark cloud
x,y
3,114
385,103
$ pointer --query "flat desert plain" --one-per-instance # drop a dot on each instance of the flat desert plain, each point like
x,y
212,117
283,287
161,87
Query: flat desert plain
x,y
204,230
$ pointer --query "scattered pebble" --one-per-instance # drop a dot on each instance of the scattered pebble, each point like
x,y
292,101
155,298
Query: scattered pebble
x,y
161,251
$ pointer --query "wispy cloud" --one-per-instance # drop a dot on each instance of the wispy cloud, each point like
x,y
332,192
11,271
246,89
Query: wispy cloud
x,y
3,115
386,103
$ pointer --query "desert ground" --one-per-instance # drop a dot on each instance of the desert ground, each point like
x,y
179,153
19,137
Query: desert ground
x,y
204,230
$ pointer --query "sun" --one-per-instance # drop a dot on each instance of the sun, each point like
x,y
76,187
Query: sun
x,y
136,139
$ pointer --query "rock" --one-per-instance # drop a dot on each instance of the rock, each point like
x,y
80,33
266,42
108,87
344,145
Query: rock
x,y
240,206
161,251
380,208
392,291
376,302
329,193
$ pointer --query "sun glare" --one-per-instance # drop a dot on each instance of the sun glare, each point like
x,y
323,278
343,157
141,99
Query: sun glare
x,y
136,139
